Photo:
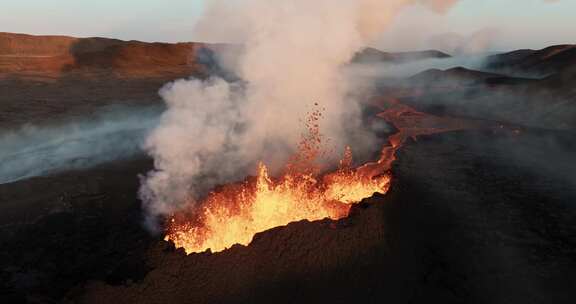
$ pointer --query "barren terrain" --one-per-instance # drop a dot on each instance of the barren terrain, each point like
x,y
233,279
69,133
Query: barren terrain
x,y
481,207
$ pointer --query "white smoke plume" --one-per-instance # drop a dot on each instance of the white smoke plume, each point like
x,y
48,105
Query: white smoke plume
x,y
213,131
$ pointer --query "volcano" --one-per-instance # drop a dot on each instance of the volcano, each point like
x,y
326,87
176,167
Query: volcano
x,y
235,213
468,198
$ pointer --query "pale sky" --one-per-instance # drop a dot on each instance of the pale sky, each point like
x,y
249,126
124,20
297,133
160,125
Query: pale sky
x,y
490,24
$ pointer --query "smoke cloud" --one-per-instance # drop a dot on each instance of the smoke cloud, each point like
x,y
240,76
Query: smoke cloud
x,y
479,42
292,58
113,134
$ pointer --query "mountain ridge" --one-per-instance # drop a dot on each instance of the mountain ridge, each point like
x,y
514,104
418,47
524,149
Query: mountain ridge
x,y
56,55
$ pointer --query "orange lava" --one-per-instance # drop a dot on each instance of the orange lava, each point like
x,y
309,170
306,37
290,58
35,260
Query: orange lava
x,y
234,213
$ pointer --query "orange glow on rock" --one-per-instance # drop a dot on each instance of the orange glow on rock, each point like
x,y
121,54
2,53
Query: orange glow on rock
x,y
234,213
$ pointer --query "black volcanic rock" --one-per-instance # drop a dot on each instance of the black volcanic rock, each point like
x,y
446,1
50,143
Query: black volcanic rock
x,y
61,230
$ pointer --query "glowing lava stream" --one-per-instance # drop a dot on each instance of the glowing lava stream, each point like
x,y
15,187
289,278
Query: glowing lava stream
x,y
236,212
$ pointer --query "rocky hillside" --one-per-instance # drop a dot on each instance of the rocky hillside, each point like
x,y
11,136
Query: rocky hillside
x,y
57,55
458,76
535,63
371,55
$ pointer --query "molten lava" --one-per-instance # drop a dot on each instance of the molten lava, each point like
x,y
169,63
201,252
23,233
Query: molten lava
x,y
236,212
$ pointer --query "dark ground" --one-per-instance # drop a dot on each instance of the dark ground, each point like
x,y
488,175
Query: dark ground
x,y
472,217
60,230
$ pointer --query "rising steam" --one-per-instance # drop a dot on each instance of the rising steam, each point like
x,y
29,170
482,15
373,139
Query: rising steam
x,y
214,131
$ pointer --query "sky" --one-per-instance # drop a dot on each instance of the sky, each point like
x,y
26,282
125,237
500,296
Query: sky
x,y
472,24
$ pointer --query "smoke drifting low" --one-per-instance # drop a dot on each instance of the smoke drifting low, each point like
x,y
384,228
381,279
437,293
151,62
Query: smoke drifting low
x,y
374,72
113,134
292,59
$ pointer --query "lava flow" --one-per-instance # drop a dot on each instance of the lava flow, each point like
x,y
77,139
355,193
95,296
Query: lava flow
x,y
236,212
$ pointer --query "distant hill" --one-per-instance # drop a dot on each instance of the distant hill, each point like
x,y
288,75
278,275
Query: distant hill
x,y
460,76
544,103
58,55
21,53
371,55
534,63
